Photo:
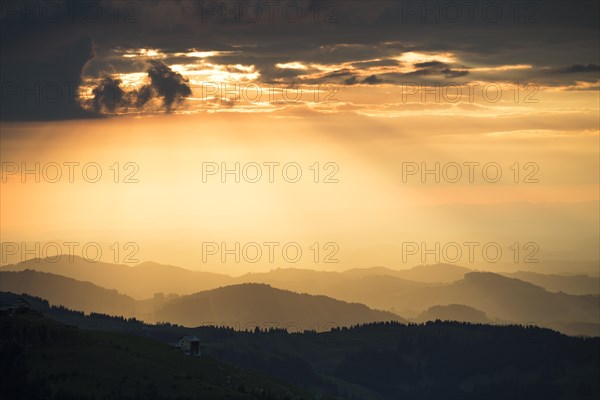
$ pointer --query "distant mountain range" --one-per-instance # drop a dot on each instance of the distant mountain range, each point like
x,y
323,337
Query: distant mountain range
x,y
454,312
328,296
510,299
421,273
144,280
141,281
237,306
571,284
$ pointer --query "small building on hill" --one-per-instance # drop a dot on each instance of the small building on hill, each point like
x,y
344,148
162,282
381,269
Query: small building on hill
x,y
189,345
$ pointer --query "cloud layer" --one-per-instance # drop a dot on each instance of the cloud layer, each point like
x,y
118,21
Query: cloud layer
x,y
165,85
347,43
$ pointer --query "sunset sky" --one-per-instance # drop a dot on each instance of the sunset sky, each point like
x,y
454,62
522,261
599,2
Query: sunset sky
x,y
353,95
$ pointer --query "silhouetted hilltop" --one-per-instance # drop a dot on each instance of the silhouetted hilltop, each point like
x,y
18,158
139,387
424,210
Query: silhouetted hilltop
x,y
574,284
421,273
500,297
454,312
236,306
516,300
141,281
244,304
435,273
376,291
71,293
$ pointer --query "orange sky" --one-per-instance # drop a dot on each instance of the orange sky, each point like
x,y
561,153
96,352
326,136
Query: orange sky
x,y
368,213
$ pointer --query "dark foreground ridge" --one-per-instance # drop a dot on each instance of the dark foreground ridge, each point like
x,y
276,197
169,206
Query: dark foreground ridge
x,y
43,358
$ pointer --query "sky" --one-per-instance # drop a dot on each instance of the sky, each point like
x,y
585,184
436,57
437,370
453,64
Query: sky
x,y
239,136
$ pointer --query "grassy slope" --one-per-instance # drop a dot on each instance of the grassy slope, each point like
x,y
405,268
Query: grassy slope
x,y
42,358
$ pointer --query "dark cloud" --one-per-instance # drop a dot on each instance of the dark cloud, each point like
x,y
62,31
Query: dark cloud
x,y
377,63
353,80
369,80
372,80
452,73
108,95
435,65
339,73
143,96
168,84
437,68
165,84
580,68
41,82
271,74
